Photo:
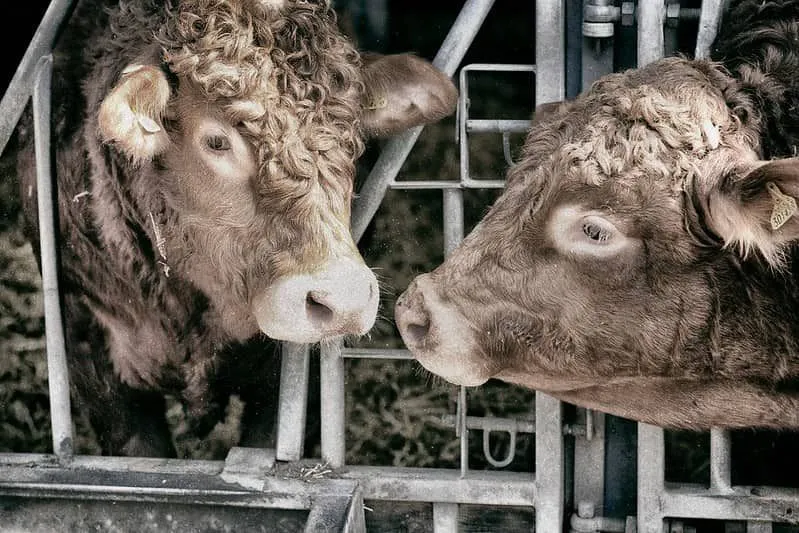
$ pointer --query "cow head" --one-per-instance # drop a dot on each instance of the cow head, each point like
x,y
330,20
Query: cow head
x,y
243,126
622,253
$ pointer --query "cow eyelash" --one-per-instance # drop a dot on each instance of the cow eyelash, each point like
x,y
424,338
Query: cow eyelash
x,y
218,143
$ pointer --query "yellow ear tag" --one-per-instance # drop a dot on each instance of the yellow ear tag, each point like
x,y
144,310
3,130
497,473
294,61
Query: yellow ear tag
x,y
784,206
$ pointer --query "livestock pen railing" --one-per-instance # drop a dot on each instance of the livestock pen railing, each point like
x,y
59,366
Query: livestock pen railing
x,y
575,465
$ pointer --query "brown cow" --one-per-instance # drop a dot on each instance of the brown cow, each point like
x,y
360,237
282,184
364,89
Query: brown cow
x,y
641,258
205,152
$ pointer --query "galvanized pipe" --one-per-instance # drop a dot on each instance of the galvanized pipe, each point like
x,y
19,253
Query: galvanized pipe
x,y
720,461
58,372
333,430
651,478
395,152
445,518
21,87
550,86
709,21
292,407
651,15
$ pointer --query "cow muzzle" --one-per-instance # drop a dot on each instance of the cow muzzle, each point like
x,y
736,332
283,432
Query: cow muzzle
x,y
340,299
439,336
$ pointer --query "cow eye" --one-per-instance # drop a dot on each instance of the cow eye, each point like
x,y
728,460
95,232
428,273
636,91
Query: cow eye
x,y
596,232
217,143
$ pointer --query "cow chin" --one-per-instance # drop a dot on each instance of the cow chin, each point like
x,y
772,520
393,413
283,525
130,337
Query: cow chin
x,y
339,299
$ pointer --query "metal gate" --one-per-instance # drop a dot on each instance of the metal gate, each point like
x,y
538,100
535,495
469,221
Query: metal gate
x,y
577,466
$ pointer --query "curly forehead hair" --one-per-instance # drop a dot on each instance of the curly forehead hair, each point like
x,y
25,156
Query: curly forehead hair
x,y
289,79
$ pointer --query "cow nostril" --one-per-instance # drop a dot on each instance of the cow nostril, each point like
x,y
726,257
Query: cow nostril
x,y
317,310
417,332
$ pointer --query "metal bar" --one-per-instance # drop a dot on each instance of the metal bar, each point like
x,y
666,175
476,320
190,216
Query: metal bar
x,y
473,183
342,513
21,86
742,504
759,527
478,487
497,126
172,479
709,21
720,461
550,86
499,67
589,460
445,518
651,15
47,196
333,432
549,464
375,353
651,472
293,403
453,220
491,423
462,431
395,152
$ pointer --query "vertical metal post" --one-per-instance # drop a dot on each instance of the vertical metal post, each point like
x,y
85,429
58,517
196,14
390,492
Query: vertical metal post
x,y
550,86
453,235
292,406
709,21
651,478
753,526
395,152
445,518
651,15
333,404
720,461
19,90
549,464
58,372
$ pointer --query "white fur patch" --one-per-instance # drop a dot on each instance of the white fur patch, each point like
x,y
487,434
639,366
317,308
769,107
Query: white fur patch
x,y
711,134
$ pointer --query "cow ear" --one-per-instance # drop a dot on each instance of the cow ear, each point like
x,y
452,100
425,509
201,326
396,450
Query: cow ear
x,y
403,91
756,209
131,115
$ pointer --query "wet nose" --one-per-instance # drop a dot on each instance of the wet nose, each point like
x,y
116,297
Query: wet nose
x,y
412,315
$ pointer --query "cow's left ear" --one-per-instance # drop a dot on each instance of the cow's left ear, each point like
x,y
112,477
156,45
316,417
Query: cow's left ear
x,y
403,91
756,209
131,115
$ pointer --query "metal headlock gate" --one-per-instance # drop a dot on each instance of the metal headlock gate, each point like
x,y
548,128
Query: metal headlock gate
x,y
329,496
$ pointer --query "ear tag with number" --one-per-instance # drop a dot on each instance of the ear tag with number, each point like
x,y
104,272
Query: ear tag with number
x,y
784,206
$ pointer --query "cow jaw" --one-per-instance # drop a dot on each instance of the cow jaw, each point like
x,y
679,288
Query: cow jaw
x,y
341,298
439,336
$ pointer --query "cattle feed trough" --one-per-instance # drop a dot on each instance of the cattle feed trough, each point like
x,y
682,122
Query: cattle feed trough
x,y
246,479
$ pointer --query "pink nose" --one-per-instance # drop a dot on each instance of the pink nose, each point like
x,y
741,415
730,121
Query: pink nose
x,y
341,299
413,317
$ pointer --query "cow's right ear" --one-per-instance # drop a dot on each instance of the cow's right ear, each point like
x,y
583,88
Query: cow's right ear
x,y
403,91
131,115
757,208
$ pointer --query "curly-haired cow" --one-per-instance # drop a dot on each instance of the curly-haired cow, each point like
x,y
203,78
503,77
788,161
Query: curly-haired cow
x,y
205,155
643,257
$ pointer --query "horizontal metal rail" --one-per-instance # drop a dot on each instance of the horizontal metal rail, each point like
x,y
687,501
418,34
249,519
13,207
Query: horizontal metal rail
x,y
285,487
